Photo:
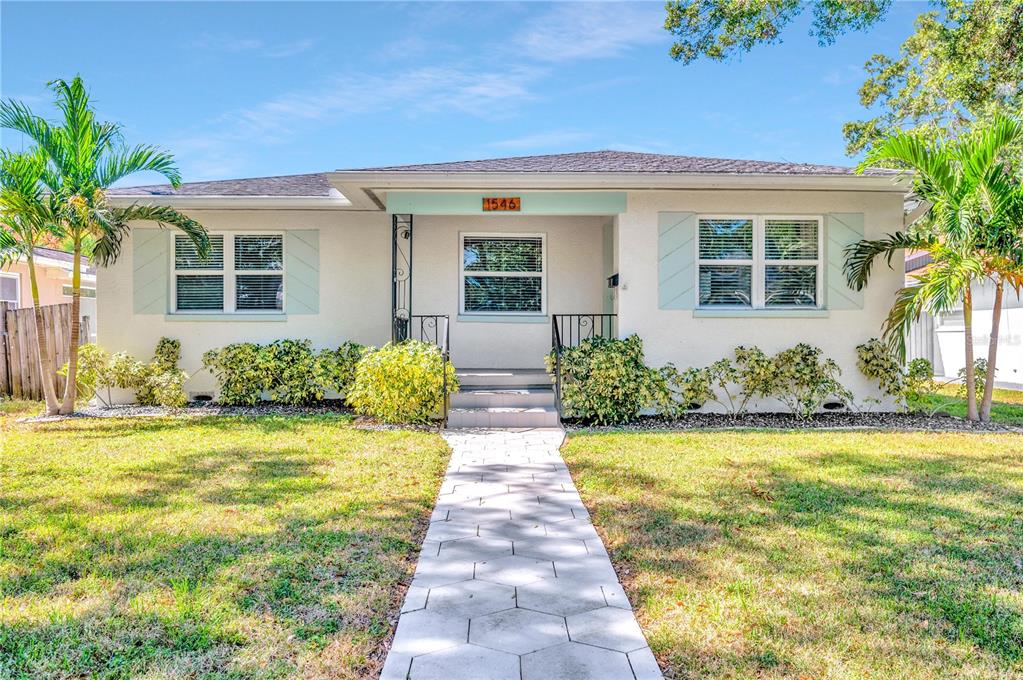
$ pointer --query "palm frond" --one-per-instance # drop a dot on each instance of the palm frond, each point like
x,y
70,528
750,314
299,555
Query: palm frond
x,y
108,245
933,169
141,158
11,250
860,256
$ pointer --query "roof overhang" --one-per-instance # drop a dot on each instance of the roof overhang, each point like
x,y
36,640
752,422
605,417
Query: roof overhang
x,y
333,202
368,190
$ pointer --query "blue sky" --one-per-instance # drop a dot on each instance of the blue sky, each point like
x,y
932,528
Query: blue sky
x,y
239,89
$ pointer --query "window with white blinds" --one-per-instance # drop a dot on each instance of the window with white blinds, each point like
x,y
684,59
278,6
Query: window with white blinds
x,y
10,288
759,262
503,274
243,273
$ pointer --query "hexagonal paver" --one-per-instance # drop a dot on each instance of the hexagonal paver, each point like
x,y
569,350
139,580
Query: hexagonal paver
x,y
434,571
513,530
471,598
515,570
478,514
588,568
422,632
415,598
560,597
573,660
465,661
539,513
449,531
476,548
644,665
575,528
611,628
518,631
547,548
511,501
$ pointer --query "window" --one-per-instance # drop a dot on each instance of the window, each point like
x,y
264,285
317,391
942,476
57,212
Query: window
x,y
503,274
244,273
759,262
84,292
10,288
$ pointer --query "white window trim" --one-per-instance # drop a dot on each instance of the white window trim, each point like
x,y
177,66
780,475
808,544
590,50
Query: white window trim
x,y
759,262
17,286
230,275
532,275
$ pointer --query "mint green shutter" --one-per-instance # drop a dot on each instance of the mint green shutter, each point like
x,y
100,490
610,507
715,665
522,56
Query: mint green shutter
x,y
302,268
676,260
150,270
841,230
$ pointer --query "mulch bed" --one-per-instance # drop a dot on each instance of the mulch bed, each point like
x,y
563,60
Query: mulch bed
x,y
941,422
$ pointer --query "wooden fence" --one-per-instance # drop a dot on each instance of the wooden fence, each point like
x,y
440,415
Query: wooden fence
x,y
20,376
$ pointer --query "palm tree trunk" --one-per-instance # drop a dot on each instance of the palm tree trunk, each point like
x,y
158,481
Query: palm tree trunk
x,y
46,369
992,354
971,385
70,390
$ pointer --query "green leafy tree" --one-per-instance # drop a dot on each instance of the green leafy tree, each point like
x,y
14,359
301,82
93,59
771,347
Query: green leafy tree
x,y
962,63
84,157
972,230
29,218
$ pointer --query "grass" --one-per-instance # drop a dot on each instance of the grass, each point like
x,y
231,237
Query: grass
x,y
815,555
1006,406
223,548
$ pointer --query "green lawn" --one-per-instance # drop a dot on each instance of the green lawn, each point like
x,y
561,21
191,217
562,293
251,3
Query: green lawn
x,y
816,555
1006,406
216,547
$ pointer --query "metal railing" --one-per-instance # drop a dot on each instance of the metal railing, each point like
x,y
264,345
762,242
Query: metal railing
x,y
436,330
568,330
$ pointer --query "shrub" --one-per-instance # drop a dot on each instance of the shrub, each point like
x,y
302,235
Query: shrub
x,y
93,368
289,367
691,389
877,362
335,369
401,383
605,381
803,381
159,383
239,371
979,378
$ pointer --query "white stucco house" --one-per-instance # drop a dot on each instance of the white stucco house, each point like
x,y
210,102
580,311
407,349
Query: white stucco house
x,y
696,255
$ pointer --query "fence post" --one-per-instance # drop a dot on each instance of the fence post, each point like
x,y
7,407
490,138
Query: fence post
x,y
5,371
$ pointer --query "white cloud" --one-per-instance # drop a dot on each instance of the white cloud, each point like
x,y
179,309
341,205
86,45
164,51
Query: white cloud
x,y
233,44
587,30
544,140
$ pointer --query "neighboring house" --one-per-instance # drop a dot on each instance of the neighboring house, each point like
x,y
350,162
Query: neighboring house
x,y
53,276
696,255
941,339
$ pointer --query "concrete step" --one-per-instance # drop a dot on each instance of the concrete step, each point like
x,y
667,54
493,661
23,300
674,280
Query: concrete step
x,y
503,377
502,416
482,397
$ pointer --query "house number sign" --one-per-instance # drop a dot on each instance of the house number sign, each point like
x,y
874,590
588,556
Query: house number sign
x,y
502,204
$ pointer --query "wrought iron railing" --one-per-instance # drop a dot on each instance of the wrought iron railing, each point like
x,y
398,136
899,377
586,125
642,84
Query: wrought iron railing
x,y
568,330
435,329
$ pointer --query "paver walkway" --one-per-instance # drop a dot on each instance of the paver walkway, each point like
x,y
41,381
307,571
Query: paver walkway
x,y
513,581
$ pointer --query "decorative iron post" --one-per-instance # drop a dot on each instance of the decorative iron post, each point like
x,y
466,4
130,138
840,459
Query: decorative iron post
x,y
401,276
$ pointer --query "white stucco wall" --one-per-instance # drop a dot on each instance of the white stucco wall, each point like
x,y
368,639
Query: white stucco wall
x,y
355,272
575,284
677,336
355,294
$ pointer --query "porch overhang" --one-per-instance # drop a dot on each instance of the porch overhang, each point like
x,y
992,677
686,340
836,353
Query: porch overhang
x,y
529,202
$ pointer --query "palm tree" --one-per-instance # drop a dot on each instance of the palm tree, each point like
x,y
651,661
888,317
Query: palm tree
x,y
27,217
84,158
971,229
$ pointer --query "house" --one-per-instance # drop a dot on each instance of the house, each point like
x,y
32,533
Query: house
x,y
696,255
941,339
53,276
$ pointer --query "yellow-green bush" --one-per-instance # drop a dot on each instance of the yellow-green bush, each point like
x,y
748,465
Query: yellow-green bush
x,y
401,383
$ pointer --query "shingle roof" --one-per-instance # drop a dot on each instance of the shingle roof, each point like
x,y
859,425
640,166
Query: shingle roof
x,y
63,256
621,161
313,184
317,184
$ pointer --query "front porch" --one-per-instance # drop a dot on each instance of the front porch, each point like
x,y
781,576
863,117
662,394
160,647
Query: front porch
x,y
500,288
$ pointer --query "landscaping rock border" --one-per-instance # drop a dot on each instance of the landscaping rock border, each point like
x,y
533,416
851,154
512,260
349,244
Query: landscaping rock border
x,y
786,421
